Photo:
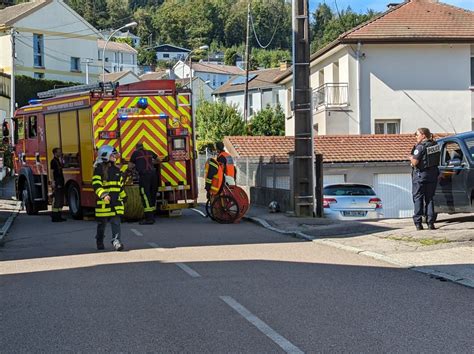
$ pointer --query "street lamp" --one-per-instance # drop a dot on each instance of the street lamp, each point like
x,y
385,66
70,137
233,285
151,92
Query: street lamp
x,y
128,25
203,47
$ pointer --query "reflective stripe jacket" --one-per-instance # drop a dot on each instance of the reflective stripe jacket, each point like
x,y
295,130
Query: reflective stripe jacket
x,y
214,175
229,167
108,180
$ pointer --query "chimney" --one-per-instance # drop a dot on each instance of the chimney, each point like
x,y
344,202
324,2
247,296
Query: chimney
x,y
284,65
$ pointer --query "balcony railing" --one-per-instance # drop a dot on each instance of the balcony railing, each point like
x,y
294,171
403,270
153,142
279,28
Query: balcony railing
x,y
330,95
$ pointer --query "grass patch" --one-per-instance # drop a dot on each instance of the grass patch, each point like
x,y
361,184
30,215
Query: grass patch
x,y
422,241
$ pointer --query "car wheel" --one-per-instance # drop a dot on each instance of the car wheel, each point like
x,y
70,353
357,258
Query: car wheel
x,y
74,202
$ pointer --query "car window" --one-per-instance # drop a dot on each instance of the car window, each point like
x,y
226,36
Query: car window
x,y
452,154
348,190
470,146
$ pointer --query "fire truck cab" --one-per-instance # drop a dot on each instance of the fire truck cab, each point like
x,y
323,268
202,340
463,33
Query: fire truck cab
x,y
80,119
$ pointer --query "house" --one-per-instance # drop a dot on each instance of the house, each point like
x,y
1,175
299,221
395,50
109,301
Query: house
x,y
262,91
170,52
155,75
200,89
122,77
51,41
215,74
410,67
218,58
118,56
133,38
4,96
381,163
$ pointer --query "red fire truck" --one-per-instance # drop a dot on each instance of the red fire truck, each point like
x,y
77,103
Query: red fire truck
x,y
81,119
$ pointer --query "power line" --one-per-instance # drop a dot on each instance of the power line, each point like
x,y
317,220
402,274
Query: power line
x,y
256,37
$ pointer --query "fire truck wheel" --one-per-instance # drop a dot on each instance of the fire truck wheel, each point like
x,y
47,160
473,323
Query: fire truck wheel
x,y
28,202
134,205
74,201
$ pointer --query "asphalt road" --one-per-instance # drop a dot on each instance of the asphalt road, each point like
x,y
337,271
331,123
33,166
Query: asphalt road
x,y
190,285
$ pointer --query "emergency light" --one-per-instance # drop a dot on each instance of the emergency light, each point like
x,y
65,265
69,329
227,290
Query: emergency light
x,y
34,101
142,103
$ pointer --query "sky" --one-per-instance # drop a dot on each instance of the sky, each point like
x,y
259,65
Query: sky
x,y
361,6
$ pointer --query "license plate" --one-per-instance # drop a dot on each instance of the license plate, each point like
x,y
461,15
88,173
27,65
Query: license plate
x,y
354,213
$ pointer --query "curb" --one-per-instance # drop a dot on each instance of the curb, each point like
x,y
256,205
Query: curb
x,y
381,257
8,223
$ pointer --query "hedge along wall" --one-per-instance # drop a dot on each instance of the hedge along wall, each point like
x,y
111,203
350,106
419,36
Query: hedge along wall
x,y
27,88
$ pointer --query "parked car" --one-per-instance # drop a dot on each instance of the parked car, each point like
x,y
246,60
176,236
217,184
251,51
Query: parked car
x,y
349,201
455,191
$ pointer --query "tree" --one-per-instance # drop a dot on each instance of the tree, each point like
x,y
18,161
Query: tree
x,y
216,120
269,122
230,56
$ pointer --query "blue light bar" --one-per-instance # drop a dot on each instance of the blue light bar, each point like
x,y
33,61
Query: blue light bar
x,y
34,101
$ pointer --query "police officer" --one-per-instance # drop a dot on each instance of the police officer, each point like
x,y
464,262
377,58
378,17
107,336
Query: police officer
x,y
57,185
226,159
143,160
424,160
108,184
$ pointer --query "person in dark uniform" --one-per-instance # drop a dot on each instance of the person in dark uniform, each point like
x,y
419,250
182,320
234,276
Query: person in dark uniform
x,y
57,185
108,182
144,162
424,160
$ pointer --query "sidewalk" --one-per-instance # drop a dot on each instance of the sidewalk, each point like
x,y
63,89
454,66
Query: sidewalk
x,y
446,253
9,207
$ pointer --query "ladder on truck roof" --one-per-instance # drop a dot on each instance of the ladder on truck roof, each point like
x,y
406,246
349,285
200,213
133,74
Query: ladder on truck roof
x,y
99,87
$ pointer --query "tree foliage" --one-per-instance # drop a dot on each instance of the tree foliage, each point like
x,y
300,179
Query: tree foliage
x,y
269,122
216,120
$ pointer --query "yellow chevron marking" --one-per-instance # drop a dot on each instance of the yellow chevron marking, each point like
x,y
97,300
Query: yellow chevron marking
x,y
183,99
168,177
104,111
181,166
136,139
174,172
131,134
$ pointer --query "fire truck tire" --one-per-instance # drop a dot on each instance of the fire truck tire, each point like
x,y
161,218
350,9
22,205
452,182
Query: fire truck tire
x,y
74,201
31,208
133,206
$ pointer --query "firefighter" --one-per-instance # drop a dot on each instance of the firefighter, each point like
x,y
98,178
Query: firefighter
x,y
57,184
214,177
424,160
144,162
108,184
227,161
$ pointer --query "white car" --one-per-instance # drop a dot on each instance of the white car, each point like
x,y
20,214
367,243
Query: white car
x,y
351,201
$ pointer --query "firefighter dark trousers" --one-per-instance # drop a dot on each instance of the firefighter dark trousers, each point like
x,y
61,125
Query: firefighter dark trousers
x,y
58,203
423,193
148,189
114,223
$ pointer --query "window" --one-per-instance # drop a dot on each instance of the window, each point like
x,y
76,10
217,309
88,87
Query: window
x,y
121,58
99,55
32,127
75,64
452,154
250,104
38,50
387,126
166,55
472,71
38,75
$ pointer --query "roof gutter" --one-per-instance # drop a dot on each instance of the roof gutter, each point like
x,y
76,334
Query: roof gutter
x,y
359,110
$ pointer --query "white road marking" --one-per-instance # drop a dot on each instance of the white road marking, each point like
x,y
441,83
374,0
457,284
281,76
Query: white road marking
x,y
155,245
198,211
136,232
283,343
188,270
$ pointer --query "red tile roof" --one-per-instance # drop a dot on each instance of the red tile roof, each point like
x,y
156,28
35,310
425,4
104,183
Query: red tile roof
x,y
335,148
417,20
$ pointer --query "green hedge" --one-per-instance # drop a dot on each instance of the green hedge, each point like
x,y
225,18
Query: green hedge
x,y
27,88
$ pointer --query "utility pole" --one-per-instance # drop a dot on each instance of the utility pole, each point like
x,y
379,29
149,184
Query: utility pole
x,y
247,66
87,61
12,85
303,181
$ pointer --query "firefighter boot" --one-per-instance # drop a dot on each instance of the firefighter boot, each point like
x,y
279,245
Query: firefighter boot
x,y
100,243
117,244
56,217
149,219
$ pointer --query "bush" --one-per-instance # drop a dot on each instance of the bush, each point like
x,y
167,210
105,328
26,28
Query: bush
x,y
269,122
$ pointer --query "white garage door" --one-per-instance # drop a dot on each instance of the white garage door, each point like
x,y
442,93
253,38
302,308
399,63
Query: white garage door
x,y
332,179
395,192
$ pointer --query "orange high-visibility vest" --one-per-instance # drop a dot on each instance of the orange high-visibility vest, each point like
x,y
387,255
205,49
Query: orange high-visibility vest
x,y
214,175
229,164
